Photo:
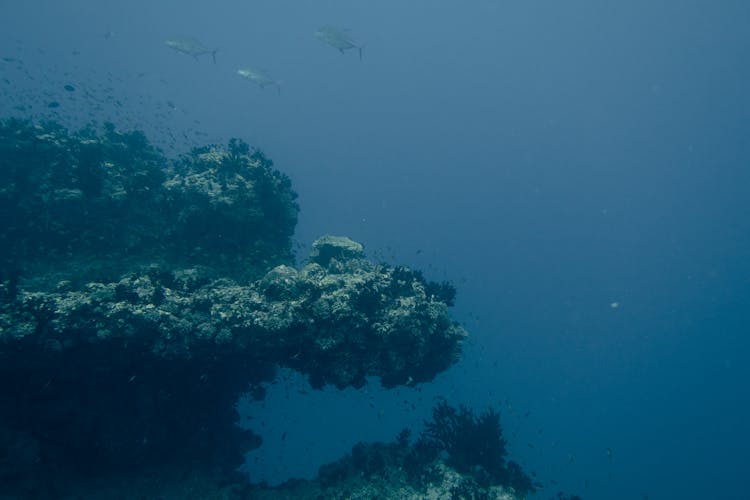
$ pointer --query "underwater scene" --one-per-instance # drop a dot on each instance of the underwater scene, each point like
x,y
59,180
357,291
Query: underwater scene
x,y
423,250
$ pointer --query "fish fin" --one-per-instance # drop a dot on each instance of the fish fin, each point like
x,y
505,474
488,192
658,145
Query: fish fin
x,y
360,50
213,54
342,51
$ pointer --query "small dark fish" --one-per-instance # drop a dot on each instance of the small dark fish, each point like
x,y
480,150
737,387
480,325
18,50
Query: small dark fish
x,y
283,436
53,104
69,88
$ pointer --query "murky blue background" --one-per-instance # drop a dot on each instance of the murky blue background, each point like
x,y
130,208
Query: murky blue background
x,y
580,169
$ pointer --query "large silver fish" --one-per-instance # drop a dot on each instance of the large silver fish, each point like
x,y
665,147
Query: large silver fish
x,y
190,46
259,78
338,38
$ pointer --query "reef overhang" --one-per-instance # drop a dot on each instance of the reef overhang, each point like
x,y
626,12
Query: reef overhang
x,y
140,298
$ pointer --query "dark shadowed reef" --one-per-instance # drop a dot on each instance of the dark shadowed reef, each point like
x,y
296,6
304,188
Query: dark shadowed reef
x,y
141,297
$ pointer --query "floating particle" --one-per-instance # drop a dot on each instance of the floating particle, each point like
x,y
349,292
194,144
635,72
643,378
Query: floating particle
x,y
69,88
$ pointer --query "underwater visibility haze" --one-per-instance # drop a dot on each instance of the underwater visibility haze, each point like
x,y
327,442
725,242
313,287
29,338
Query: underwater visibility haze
x,y
490,249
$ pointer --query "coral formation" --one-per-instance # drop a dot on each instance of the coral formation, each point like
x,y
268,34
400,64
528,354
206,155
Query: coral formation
x,y
474,445
139,298
92,206
457,456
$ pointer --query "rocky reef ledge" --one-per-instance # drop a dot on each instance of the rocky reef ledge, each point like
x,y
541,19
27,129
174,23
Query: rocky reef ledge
x,y
141,297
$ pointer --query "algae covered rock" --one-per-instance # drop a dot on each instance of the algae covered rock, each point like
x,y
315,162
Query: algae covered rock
x,y
335,247
280,283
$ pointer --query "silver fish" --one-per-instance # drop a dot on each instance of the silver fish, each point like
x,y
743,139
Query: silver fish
x,y
338,38
190,46
259,78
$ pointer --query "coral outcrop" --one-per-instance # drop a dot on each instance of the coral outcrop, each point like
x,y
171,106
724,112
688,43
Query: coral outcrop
x,y
140,298
457,456
95,205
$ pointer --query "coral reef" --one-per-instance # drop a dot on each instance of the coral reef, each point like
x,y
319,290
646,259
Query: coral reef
x,y
448,461
474,445
140,298
92,206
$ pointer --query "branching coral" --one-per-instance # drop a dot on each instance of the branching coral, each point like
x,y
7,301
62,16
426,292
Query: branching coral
x,y
474,444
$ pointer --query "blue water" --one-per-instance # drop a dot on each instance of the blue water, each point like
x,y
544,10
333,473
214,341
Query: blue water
x,y
580,170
